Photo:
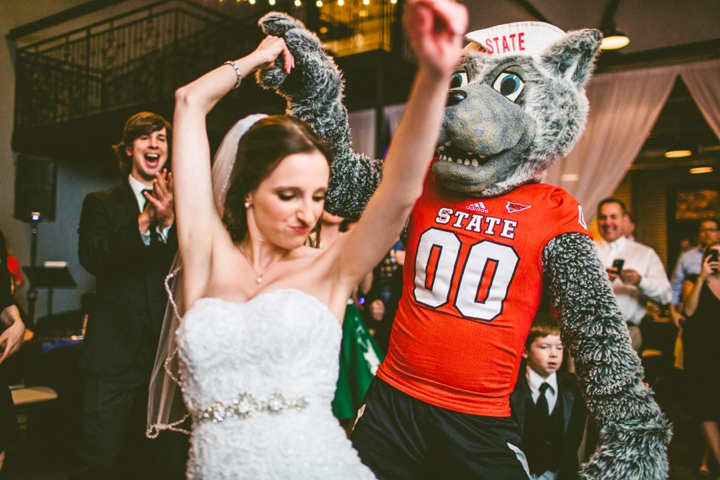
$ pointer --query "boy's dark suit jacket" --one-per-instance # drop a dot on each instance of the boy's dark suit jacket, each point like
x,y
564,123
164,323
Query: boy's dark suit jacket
x,y
130,276
574,415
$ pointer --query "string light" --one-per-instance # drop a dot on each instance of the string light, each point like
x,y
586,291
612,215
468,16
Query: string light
x,y
393,2
298,3
271,2
366,2
341,3
252,2
319,3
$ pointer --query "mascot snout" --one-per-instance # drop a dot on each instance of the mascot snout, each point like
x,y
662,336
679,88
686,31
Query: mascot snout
x,y
483,138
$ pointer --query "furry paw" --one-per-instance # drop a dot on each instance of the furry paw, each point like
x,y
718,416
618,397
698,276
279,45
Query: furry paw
x,y
278,24
312,64
634,451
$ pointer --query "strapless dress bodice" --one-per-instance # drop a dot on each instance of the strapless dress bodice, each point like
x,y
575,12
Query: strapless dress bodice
x,y
282,344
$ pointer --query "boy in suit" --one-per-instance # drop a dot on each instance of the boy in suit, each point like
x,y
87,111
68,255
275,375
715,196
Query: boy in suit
x,y
547,405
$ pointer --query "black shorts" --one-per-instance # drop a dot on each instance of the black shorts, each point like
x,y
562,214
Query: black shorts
x,y
400,437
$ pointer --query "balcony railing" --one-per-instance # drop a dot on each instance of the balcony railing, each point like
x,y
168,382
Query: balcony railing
x,y
125,60
142,56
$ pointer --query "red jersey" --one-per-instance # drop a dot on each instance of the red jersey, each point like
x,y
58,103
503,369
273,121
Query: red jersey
x,y
472,285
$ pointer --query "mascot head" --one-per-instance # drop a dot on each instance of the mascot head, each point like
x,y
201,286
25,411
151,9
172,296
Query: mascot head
x,y
516,104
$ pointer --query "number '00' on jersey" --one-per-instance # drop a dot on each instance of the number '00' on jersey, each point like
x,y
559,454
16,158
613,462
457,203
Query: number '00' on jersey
x,y
472,285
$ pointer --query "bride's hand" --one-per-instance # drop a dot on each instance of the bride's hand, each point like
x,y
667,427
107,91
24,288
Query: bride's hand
x,y
268,51
436,29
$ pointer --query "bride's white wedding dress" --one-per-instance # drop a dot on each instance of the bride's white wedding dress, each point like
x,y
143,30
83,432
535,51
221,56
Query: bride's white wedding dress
x,y
258,379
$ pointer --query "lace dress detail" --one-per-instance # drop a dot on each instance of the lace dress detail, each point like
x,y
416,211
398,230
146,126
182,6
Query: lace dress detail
x,y
283,343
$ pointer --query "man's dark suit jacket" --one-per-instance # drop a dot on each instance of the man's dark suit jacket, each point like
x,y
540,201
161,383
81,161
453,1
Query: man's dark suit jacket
x,y
574,415
130,276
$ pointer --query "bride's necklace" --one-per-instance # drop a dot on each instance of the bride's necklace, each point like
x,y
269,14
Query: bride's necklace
x,y
260,275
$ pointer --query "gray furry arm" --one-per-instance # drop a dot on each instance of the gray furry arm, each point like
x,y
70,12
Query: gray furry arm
x,y
633,431
313,91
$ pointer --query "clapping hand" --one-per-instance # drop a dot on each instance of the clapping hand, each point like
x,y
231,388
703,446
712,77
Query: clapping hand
x,y
435,29
160,201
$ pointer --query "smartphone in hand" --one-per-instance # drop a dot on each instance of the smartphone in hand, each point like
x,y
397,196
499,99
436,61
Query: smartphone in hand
x,y
618,264
713,257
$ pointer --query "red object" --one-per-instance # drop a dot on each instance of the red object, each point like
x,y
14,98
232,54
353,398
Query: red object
x,y
14,267
473,283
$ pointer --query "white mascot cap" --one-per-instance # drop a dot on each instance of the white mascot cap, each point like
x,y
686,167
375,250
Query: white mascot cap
x,y
521,38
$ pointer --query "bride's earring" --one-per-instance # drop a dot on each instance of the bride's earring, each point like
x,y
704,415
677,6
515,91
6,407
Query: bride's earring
x,y
247,204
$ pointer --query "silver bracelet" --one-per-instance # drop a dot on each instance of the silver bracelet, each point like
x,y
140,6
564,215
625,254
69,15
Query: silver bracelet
x,y
237,70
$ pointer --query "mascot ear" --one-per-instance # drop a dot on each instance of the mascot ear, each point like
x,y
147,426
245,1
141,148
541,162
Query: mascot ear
x,y
573,57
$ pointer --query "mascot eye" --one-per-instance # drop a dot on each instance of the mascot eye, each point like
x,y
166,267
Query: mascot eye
x,y
509,84
459,79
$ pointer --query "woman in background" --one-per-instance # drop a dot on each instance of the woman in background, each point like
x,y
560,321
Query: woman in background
x,y
701,337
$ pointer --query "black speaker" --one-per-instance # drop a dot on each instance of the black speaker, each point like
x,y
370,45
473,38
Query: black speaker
x,y
35,188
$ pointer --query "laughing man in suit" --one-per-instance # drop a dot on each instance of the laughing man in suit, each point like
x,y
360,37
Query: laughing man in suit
x,y
128,242
547,405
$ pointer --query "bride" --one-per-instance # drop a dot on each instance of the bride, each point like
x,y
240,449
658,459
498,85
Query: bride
x,y
258,343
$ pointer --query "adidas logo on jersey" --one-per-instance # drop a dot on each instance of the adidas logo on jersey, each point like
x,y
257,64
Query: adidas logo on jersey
x,y
477,207
513,207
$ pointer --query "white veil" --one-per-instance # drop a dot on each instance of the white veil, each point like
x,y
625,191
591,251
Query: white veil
x,y
166,410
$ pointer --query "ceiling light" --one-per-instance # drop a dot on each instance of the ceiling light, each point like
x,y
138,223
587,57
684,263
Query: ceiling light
x,y
614,40
701,170
678,153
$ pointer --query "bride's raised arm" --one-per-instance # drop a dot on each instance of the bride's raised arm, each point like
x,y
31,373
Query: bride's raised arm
x,y
198,222
436,29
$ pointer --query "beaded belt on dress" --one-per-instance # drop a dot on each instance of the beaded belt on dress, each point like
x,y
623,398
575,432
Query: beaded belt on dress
x,y
246,406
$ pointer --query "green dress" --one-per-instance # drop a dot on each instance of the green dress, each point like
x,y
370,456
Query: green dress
x,y
360,358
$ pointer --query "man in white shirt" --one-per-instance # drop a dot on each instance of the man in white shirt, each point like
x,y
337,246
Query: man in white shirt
x,y
642,276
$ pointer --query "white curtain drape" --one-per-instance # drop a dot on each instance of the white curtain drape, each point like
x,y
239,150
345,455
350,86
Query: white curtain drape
x,y
393,115
623,109
362,127
362,130
703,81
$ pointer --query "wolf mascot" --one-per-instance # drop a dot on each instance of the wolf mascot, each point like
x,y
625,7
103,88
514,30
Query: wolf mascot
x,y
486,238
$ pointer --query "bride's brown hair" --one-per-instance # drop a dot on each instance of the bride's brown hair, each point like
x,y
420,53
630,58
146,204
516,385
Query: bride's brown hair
x,y
260,151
